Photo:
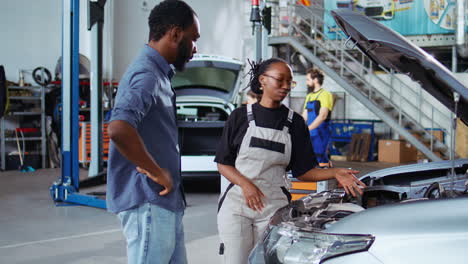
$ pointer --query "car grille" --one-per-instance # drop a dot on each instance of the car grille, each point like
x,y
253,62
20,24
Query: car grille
x,y
373,11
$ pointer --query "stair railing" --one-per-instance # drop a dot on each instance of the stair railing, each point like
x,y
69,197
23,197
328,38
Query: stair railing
x,y
362,71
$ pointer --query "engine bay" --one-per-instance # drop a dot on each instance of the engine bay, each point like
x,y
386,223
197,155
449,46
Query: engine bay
x,y
318,211
198,113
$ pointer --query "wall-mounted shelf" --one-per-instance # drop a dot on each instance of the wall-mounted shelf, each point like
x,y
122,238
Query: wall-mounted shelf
x,y
34,95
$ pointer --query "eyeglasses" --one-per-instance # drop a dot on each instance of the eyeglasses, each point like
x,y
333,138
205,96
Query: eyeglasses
x,y
291,84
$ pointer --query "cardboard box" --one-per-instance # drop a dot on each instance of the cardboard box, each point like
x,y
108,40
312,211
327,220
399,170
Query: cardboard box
x,y
421,156
337,158
396,151
462,140
439,135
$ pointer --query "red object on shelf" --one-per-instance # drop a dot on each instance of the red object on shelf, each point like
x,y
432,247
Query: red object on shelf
x,y
27,129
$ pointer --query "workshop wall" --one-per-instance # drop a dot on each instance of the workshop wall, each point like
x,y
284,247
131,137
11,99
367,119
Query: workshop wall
x,y
32,32
31,35
221,25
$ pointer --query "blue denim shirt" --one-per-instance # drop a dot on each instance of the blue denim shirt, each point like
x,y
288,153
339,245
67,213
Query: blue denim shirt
x,y
146,100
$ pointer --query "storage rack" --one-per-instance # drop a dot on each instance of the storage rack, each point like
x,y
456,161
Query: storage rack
x,y
37,94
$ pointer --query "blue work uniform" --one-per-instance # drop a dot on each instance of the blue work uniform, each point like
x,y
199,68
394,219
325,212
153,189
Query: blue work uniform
x,y
320,136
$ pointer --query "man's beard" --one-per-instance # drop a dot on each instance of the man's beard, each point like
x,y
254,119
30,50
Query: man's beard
x,y
183,55
310,88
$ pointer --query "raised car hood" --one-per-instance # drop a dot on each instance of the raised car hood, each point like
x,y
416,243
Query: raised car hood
x,y
209,76
195,99
420,167
389,49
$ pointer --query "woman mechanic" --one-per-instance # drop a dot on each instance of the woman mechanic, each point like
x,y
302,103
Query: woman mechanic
x,y
260,142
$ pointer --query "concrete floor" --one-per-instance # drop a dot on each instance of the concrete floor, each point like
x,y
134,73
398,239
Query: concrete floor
x,y
34,230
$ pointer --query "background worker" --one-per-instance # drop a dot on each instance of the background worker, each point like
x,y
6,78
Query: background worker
x,y
318,106
144,185
260,142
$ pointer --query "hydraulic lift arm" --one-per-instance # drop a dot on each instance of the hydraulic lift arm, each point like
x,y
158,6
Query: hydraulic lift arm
x,y
66,188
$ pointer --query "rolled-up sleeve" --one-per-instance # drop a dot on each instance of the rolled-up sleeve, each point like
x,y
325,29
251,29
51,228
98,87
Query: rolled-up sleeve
x,y
135,98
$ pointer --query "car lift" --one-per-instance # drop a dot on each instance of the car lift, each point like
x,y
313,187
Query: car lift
x,y
65,191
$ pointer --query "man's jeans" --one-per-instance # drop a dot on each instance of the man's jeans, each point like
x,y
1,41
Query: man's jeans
x,y
154,235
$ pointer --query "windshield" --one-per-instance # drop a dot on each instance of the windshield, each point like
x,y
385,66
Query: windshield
x,y
206,77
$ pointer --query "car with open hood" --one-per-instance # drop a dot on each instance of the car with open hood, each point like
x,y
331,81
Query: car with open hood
x,y
377,9
408,214
207,91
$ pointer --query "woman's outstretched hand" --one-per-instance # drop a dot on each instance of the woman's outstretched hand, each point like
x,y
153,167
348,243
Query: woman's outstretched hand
x,y
347,179
253,195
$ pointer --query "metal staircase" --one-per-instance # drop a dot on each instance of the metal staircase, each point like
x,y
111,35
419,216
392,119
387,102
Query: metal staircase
x,y
399,105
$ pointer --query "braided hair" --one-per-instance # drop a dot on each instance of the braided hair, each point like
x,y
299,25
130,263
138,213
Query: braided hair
x,y
257,69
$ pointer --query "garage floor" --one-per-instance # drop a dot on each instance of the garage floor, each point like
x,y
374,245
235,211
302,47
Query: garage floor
x,y
34,230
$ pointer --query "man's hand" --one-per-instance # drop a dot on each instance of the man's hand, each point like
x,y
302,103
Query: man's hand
x,y
347,178
162,178
129,143
321,117
253,196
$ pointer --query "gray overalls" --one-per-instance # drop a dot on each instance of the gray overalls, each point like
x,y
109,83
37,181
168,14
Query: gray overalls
x,y
263,157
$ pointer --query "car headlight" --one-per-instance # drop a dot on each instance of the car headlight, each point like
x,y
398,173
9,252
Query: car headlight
x,y
286,244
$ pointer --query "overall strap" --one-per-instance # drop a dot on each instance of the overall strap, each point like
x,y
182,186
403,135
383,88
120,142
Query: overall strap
x,y
316,97
288,122
250,116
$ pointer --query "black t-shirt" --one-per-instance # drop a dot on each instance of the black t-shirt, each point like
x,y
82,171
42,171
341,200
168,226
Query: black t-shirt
x,y
302,156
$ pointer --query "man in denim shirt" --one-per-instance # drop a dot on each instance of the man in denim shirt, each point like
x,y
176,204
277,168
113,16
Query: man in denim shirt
x,y
144,183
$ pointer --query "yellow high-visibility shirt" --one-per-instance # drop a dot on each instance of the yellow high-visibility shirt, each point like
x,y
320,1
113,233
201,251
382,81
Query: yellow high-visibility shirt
x,y
323,96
